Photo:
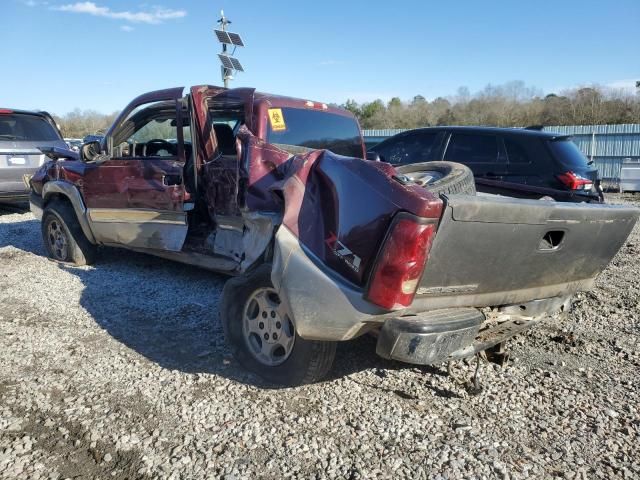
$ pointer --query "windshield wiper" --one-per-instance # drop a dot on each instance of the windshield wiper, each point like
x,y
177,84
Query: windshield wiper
x,y
10,137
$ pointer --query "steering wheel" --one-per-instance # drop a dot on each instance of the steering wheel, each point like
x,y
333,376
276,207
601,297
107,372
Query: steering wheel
x,y
168,146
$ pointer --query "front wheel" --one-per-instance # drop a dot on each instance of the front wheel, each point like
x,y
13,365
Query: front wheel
x,y
63,237
262,335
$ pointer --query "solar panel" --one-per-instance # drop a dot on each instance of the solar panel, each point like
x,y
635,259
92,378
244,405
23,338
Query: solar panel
x,y
226,61
223,37
229,38
235,39
236,64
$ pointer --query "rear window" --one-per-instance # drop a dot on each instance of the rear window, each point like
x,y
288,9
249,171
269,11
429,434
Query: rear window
x,y
23,127
568,154
412,148
314,130
466,148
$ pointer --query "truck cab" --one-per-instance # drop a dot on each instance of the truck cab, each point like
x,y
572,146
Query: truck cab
x,y
167,172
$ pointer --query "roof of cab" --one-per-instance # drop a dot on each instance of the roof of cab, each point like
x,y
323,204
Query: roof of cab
x,y
285,101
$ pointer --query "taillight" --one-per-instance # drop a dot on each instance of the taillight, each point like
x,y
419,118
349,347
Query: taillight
x,y
401,263
573,181
316,105
5,111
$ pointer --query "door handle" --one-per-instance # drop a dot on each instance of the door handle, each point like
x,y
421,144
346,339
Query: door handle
x,y
171,180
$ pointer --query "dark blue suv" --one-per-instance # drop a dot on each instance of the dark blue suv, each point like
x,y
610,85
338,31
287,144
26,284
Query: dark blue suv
x,y
524,163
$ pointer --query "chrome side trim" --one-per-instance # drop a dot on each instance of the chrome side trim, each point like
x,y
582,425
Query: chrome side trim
x,y
139,228
136,215
72,193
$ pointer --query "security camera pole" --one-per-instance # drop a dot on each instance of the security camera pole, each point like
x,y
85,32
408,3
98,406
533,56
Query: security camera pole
x,y
229,63
227,73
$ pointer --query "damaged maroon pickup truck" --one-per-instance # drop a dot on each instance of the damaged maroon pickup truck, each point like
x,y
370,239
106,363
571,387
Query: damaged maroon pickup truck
x,y
323,245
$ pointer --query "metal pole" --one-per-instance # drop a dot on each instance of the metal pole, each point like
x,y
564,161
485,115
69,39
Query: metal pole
x,y
226,72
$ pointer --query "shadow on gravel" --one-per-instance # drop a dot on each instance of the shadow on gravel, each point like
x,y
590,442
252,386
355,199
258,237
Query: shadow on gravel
x,y
360,354
168,312
20,207
23,235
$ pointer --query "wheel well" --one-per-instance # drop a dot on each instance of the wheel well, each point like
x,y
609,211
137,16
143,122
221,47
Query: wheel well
x,y
57,197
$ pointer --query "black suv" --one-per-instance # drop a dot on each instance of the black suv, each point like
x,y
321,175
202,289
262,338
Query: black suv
x,y
525,163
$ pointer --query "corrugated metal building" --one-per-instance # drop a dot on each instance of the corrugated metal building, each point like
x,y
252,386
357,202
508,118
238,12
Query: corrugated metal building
x,y
611,146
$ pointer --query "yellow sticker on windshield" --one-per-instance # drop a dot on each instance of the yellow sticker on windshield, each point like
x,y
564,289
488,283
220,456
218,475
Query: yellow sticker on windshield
x,y
277,120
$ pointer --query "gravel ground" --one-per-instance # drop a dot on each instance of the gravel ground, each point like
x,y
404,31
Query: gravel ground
x,y
120,371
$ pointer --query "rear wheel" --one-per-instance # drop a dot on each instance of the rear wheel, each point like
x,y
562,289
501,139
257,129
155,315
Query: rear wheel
x,y
63,237
441,177
262,335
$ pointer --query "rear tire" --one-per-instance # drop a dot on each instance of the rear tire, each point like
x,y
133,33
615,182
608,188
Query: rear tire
x,y
251,311
63,237
455,177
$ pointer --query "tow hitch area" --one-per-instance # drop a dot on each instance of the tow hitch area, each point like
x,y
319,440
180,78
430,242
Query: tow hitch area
x,y
471,385
496,354
454,334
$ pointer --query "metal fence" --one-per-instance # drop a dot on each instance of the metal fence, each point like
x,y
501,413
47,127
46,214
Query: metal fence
x,y
610,146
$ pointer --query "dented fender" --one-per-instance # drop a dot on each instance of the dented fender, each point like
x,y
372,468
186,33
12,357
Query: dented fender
x,y
69,191
340,208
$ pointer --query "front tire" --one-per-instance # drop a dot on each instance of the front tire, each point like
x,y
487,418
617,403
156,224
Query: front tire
x,y
63,237
262,336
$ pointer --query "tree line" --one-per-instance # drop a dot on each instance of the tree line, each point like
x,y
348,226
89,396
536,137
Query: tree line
x,y
513,104
79,123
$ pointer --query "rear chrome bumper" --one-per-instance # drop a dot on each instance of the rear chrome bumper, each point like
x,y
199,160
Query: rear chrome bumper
x,y
454,333
429,337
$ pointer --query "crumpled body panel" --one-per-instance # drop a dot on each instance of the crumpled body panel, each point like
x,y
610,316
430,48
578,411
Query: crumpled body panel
x,y
338,207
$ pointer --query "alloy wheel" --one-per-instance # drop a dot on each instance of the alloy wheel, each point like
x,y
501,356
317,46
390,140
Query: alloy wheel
x,y
268,330
58,241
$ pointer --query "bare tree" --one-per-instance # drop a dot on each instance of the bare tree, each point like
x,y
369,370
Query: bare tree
x,y
508,105
78,124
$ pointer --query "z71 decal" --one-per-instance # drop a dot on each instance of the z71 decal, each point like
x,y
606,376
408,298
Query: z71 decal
x,y
341,250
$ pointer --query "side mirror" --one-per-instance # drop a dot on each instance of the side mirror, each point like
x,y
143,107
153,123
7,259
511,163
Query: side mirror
x,y
90,153
373,156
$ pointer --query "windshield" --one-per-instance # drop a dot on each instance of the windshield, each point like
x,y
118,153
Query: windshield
x,y
24,127
569,155
315,129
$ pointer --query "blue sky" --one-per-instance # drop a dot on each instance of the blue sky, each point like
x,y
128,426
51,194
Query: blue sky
x,y
63,54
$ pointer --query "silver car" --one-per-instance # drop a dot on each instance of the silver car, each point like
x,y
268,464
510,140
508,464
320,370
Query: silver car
x,y
21,133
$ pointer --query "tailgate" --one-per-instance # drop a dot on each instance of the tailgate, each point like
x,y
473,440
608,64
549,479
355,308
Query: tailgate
x,y
492,251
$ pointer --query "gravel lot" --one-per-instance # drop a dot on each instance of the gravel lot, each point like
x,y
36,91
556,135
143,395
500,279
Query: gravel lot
x,y
120,371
